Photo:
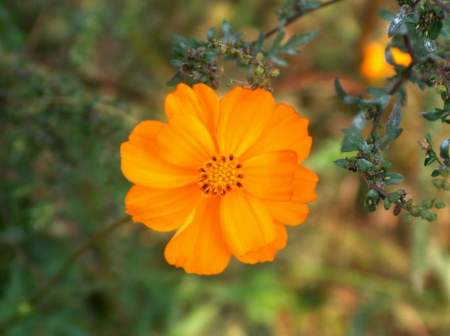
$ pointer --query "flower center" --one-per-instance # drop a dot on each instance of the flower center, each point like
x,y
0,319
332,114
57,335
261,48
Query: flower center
x,y
220,175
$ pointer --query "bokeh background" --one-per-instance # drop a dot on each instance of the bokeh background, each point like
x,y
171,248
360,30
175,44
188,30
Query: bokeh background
x,y
77,75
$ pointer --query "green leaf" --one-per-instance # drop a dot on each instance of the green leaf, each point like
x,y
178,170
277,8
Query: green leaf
x,y
393,178
291,46
352,141
364,165
439,205
435,173
434,29
438,114
341,163
392,129
277,41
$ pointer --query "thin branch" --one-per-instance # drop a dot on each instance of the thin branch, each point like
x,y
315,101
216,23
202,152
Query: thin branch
x,y
298,15
38,298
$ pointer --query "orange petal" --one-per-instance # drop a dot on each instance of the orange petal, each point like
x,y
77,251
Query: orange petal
x,y
198,246
270,175
246,223
305,182
289,213
244,114
161,209
295,211
209,106
145,133
185,142
141,164
200,101
286,131
268,252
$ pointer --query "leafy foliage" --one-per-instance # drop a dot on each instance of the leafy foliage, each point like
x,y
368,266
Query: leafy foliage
x,y
416,28
75,76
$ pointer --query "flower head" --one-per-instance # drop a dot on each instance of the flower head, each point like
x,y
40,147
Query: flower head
x,y
374,66
225,173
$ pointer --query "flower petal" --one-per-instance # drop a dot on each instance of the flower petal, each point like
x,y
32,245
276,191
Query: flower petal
x,y
246,223
185,142
141,164
198,246
270,175
161,209
145,133
209,106
295,211
305,182
268,252
289,213
286,131
244,114
200,101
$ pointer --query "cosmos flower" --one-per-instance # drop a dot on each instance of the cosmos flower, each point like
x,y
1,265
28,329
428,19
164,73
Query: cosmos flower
x,y
225,173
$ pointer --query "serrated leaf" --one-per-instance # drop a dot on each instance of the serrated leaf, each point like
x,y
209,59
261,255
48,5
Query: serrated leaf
x,y
364,165
432,116
341,163
277,41
290,47
352,141
393,178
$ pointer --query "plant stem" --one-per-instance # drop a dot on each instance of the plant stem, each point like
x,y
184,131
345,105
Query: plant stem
x,y
298,15
39,297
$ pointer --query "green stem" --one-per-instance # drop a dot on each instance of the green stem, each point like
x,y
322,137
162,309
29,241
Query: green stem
x,y
39,297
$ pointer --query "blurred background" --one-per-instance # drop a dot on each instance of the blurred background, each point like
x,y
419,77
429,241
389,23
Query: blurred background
x,y
77,75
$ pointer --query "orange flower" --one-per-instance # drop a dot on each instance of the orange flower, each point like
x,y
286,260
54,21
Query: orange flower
x,y
226,173
374,66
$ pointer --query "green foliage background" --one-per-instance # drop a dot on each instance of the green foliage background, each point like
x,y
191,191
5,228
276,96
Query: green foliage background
x,y
76,76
